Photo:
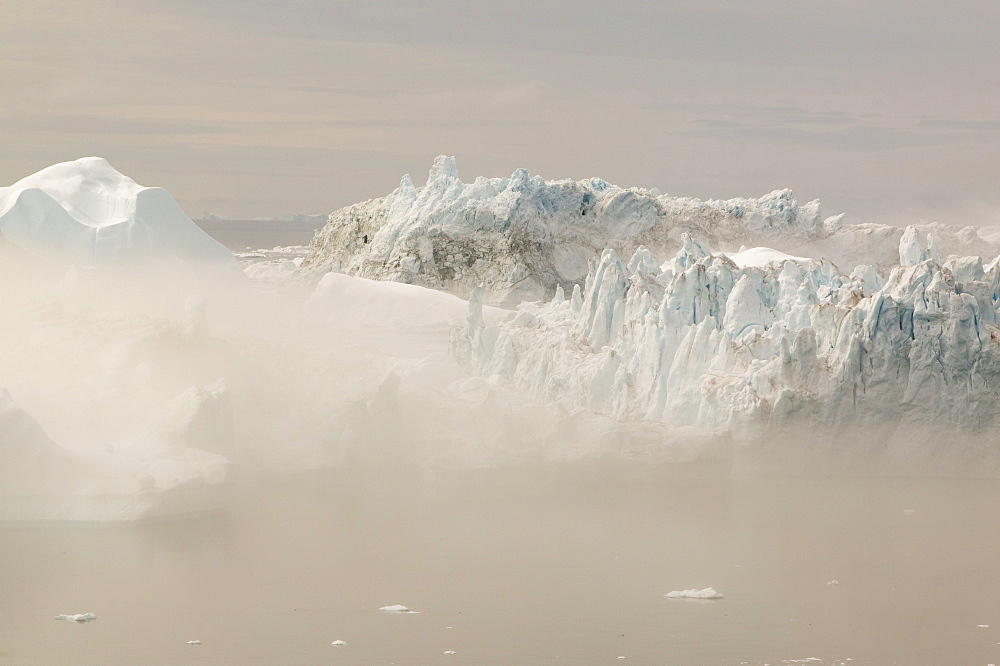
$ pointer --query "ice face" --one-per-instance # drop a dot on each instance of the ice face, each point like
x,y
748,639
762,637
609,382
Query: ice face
x,y
785,348
522,236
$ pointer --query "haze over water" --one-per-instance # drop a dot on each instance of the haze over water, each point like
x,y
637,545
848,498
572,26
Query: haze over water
x,y
525,566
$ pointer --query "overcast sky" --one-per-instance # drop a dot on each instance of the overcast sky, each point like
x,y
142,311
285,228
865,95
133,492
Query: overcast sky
x,y
887,110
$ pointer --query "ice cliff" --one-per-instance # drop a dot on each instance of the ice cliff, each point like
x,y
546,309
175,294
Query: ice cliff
x,y
523,236
85,212
886,370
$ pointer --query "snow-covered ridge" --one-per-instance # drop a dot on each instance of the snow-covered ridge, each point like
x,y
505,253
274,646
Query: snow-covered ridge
x,y
522,236
85,212
892,370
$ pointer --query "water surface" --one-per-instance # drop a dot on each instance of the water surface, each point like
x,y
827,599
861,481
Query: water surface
x,y
547,567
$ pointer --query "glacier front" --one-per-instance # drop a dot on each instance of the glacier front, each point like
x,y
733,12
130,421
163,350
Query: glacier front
x,y
885,371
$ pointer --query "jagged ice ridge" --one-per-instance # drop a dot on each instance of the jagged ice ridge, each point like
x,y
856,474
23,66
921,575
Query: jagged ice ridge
x,y
888,371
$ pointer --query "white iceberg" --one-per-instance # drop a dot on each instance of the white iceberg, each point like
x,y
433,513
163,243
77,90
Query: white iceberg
x,y
707,593
85,212
79,617
397,608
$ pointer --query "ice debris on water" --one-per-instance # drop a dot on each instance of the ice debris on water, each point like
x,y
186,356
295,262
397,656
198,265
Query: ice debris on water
x,y
983,626
339,643
80,617
450,652
397,608
194,642
833,583
707,593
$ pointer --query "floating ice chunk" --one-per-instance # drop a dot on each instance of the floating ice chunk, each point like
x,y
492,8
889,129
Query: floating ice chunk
x,y
803,661
339,643
707,593
983,626
80,617
833,583
397,608
194,642
450,652
908,512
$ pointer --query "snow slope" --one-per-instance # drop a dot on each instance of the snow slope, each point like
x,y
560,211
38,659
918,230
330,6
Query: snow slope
x,y
884,371
522,236
85,212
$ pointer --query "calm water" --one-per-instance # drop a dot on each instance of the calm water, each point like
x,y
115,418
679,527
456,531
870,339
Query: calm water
x,y
540,568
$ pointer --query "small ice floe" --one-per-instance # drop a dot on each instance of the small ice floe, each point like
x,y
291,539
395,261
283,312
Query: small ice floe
x,y
339,643
194,642
621,656
983,626
707,593
449,627
450,652
908,512
833,583
397,608
807,660
80,617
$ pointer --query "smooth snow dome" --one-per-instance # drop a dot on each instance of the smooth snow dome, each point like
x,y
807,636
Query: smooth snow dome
x,y
86,212
762,256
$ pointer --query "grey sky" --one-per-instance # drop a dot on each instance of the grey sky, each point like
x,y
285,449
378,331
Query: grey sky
x,y
886,110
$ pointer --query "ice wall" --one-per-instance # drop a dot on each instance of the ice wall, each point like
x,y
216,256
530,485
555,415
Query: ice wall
x,y
522,236
878,370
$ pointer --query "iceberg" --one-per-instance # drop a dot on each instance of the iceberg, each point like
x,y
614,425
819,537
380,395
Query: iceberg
x,y
86,213
707,593
523,236
78,617
396,608
891,371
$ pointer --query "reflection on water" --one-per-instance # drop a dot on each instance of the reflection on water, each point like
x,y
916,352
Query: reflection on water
x,y
516,568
